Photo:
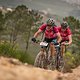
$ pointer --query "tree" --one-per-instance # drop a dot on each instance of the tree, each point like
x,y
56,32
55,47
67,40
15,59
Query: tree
x,y
20,21
1,23
75,27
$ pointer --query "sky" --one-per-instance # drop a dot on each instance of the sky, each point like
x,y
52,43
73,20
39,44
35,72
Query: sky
x,y
58,7
73,2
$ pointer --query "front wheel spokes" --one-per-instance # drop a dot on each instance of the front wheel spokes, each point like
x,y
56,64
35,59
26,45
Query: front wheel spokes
x,y
40,60
57,62
61,63
52,65
56,58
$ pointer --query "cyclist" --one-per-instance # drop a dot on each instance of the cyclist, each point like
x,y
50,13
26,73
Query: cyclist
x,y
66,35
50,33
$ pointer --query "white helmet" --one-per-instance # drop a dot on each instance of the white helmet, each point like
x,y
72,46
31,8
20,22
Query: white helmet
x,y
51,22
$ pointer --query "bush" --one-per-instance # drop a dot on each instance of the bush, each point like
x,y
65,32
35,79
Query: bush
x,y
7,50
69,61
77,59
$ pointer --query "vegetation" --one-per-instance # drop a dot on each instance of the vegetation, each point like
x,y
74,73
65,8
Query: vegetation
x,y
15,24
73,57
7,50
20,24
75,27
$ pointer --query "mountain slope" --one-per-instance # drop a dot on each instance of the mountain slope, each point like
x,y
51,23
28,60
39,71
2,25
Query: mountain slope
x,y
12,69
58,7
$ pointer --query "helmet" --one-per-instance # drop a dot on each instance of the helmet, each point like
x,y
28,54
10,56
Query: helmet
x,y
64,25
51,22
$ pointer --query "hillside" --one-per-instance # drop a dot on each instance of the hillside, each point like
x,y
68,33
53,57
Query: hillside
x,y
58,7
12,69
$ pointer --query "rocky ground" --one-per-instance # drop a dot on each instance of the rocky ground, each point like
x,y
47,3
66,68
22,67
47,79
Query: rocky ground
x,y
12,69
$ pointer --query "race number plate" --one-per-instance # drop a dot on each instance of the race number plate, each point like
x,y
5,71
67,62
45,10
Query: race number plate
x,y
43,44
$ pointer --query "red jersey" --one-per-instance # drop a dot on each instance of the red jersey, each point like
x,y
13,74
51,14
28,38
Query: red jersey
x,y
49,33
64,34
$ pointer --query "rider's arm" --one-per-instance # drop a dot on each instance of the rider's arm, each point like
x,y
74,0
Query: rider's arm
x,y
70,40
42,27
37,33
58,37
58,34
69,36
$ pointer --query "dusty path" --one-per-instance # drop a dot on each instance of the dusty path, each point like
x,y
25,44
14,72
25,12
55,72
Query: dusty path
x,y
12,69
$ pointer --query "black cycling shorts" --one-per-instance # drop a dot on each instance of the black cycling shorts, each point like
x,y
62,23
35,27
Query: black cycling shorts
x,y
49,40
64,41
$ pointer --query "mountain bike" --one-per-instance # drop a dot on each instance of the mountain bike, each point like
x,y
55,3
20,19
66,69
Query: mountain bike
x,y
42,59
59,60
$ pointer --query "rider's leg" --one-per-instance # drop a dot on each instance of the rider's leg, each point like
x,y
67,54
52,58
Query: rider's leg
x,y
62,50
52,49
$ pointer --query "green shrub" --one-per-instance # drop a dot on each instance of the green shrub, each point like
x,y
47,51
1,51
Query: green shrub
x,y
69,61
6,49
77,59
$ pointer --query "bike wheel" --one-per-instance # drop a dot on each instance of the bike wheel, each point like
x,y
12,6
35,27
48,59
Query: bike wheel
x,y
56,62
61,64
40,60
51,65
59,61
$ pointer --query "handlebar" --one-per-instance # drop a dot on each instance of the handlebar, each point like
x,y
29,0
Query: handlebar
x,y
57,45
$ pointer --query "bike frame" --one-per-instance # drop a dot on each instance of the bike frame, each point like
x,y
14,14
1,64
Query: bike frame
x,y
57,56
42,59
59,60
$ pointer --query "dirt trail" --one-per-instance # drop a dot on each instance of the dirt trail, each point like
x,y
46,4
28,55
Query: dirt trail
x,y
12,69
